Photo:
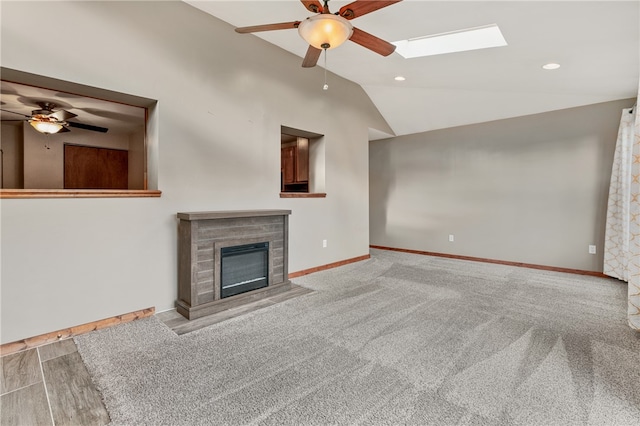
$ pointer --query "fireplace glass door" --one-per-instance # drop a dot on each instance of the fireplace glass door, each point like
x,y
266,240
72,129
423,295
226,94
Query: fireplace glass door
x,y
243,268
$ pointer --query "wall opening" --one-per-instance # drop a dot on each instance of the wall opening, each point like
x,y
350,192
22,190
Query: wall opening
x,y
32,161
302,161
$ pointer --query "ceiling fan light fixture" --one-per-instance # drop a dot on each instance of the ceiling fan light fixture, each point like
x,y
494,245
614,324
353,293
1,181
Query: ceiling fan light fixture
x,y
46,127
325,31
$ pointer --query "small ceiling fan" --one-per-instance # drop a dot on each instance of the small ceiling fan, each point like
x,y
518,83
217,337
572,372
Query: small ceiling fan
x,y
327,31
46,120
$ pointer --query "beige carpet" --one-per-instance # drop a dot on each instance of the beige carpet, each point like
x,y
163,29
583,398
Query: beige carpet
x,y
397,339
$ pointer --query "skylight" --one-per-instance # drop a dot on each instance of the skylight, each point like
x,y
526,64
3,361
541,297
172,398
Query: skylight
x,y
455,41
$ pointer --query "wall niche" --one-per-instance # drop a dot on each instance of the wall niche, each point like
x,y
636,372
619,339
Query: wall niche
x,y
33,163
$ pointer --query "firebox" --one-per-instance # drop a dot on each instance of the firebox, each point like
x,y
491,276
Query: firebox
x,y
243,268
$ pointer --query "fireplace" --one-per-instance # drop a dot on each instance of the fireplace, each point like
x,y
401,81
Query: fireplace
x,y
229,258
243,268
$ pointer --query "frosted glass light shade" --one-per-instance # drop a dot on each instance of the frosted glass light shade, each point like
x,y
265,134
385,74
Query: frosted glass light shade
x,y
325,31
46,127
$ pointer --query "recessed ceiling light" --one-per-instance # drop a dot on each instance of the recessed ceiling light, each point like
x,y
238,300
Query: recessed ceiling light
x,y
551,66
455,41
399,78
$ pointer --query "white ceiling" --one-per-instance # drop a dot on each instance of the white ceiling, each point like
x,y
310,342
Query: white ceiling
x,y
596,42
23,99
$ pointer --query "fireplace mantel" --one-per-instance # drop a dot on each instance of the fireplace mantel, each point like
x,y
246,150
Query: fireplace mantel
x,y
202,235
231,214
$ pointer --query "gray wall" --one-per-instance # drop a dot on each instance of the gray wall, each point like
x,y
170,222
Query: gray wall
x,y
215,140
531,189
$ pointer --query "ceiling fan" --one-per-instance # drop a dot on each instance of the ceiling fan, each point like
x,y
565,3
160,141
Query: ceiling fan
x,y
327,31
46,120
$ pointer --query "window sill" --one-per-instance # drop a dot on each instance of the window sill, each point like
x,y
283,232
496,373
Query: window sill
x,y
303,195
78,193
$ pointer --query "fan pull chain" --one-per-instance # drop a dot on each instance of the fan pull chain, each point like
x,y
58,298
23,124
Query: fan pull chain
x,y
326,86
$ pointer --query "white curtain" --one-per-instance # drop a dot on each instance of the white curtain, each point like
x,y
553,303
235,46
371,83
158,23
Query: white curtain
x,y
622,238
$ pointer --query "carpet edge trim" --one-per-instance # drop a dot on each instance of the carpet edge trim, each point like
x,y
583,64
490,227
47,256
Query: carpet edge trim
x,y
66,333
328,266
495,261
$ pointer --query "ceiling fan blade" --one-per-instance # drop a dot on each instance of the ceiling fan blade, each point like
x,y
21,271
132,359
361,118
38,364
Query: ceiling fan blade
x,y
87,127
64,129
312,5
372,42
362,7
62,115
311,58
268,27
13,112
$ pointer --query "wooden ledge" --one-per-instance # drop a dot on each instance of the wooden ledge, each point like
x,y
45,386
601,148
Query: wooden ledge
x,y
231,214
303,195
79,193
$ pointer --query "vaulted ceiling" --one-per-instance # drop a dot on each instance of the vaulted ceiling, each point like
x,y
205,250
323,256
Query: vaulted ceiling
x,y
597,44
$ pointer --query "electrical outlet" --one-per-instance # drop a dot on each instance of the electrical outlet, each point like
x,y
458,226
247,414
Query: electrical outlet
x,y
324,243
592,249
450,238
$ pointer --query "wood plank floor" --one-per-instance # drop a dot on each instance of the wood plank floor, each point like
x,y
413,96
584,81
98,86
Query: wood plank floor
x,y
49,385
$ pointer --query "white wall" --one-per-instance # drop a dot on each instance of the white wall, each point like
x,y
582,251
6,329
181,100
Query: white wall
x,y
214,142
531,189
316,165
136,159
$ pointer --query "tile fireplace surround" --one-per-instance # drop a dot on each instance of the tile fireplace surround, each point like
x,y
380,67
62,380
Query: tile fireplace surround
x,y
202,235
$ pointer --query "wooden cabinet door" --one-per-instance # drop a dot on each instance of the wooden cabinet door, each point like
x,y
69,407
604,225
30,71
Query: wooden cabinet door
x,y
288,160
113,168
87,167
80,165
